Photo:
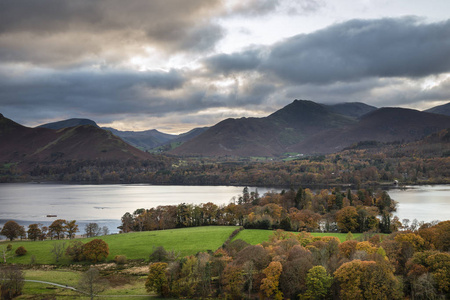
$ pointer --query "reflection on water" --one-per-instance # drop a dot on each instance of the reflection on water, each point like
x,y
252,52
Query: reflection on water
x,y
424,203
105,204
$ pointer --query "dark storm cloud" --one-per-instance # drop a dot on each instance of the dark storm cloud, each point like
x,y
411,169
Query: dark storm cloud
x,y
93,91
348,52
229,63
53,32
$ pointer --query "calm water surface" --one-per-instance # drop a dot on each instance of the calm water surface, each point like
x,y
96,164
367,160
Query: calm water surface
x,y
424,203
105,204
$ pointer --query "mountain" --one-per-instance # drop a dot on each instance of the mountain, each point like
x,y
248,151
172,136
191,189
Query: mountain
x,y
145,140
352,109
266,136
441,109
68,123
184,137
28,146
382,125
310,128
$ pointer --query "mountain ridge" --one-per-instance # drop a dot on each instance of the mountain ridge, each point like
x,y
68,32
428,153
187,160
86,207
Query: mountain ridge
x,y
307,127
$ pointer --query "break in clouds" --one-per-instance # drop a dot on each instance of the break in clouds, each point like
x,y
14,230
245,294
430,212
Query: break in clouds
x,y
155,62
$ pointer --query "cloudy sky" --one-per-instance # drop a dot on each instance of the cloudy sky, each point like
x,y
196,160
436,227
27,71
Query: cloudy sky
x,y
174,65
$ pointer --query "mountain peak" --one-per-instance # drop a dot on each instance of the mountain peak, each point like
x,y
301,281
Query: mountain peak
x,y
68,123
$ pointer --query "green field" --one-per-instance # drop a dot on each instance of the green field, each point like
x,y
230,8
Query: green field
x,y
136,245
139,245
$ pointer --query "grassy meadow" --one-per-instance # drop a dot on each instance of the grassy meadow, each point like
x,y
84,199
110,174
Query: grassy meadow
x,y
139,245
135,245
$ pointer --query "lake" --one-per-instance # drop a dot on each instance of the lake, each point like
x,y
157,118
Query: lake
x,y
105,204
29,203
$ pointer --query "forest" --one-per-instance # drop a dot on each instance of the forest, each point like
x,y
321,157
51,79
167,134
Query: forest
x,y
412,264
362,165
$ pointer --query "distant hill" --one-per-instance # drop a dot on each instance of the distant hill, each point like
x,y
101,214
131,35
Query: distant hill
x,y
144,140
441,109
382,125
27,146
68,123
352,109
310,128
266,136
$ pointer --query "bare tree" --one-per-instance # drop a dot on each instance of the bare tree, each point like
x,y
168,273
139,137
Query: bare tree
x,y
58,250
105,230
92,229
91,282
11,281
6,254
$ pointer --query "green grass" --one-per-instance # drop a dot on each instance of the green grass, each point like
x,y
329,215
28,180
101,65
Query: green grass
x,y
136,245
257,236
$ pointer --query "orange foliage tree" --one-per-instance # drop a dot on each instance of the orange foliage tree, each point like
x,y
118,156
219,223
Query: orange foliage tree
x,y
95,250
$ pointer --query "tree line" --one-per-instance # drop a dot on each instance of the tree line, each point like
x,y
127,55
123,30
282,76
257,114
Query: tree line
x,y
292,210
421,164
59,229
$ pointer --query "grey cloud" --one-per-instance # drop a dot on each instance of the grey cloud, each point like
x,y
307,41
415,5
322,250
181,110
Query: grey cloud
x,y
237,62
202,38
90,91
255,7
363,48
74,31
349,51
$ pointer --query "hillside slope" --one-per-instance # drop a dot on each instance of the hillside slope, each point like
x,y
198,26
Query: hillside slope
x,y
382,125
441,109
27,146
68,123
268,136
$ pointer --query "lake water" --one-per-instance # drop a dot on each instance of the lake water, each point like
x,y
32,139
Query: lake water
x,y
424,203
29,203
105,204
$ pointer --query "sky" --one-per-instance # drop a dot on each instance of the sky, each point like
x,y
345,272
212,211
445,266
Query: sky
x,y
174,65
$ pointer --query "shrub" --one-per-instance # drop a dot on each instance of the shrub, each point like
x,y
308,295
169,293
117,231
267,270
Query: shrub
x,y
120,259
9,247
21,251
75,251
96,250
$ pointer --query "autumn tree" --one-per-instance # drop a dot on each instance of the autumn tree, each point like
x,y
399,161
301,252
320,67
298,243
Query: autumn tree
x,y
96,250
34,232
57,229
75,251
347,219
367,280
12,230
156,279
71,228
233,282
127,222
270,284
318,283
